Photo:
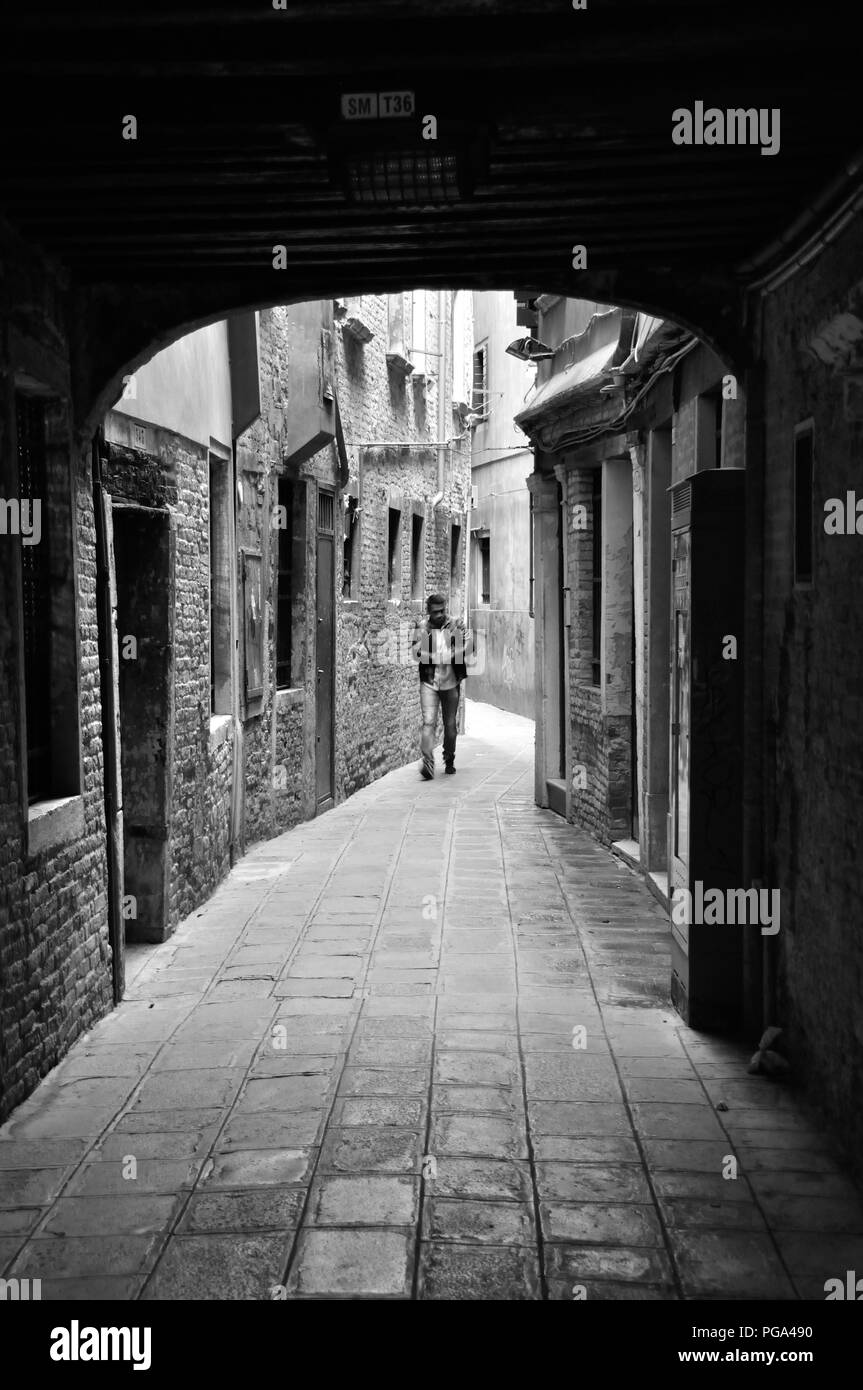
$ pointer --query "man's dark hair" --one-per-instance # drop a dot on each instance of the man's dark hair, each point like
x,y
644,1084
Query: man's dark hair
x,y
433,600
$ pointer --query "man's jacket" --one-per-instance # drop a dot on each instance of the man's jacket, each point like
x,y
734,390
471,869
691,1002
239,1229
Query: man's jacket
x,y
423,649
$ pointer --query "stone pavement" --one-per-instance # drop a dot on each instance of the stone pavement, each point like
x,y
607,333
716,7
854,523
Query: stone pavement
x,y
358,1071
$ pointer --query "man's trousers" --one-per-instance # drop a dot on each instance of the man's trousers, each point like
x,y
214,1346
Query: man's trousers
x,y
430,701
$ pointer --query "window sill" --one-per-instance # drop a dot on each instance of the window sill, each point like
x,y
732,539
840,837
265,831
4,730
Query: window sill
x,y
350,603
399,364
220,727
289,697
359,331
51,824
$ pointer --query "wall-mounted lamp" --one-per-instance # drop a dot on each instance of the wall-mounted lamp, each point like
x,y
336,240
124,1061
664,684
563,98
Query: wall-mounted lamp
x,y
529,350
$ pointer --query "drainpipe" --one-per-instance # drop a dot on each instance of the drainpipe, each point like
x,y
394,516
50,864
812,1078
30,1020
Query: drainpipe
x,y
109,696
466,542
442,387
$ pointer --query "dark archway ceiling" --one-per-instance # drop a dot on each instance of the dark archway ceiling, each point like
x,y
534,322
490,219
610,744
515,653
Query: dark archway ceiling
x,y
238,106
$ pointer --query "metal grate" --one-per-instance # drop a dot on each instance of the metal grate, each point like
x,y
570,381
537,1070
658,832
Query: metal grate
x,y
36,597
411,178
681,498
326,512
479,392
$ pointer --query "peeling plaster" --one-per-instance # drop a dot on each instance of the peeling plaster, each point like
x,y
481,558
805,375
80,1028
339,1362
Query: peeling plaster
x,y
837,343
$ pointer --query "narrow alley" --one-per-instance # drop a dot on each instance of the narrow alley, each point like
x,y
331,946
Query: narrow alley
x,y
419,1048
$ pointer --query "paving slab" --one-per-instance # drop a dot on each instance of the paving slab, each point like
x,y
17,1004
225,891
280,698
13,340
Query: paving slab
x,y
601,1222
487,1222
133,1214
269,1209
361,1149
364,1200
589,1182
456,1272
222,1267
353,1263
257,1167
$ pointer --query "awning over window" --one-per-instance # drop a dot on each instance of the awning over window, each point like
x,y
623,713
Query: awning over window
x,y
572,381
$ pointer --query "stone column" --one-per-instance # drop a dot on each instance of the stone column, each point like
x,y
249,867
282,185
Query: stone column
x,y
546,521
565,598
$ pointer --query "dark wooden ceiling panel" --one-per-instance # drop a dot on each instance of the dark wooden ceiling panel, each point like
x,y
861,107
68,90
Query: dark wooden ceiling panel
x,y
240,129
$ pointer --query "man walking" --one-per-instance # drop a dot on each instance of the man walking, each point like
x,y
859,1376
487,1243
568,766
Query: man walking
x,y
442,646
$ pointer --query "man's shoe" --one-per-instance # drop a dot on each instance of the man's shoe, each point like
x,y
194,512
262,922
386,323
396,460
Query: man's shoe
x,y
450,770
427,772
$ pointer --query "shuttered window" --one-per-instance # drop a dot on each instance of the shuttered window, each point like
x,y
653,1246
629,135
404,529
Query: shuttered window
x,y
285,586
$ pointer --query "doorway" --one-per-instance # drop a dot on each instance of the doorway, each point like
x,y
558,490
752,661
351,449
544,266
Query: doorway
x,y
679,779
143,559
325,652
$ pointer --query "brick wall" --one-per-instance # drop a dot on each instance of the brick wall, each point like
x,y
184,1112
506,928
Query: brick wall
x,y
278,729
201,785
55,957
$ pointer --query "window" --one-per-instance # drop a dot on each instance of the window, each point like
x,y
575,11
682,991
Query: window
x,y
479,393
36,593
596,515
417,555
285,586
709,426
220,588
455,557
326,512
394,555
483,571
253,625
351,567
42,515
803,504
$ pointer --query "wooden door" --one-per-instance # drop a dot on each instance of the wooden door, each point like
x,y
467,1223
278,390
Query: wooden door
x,y
680,709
